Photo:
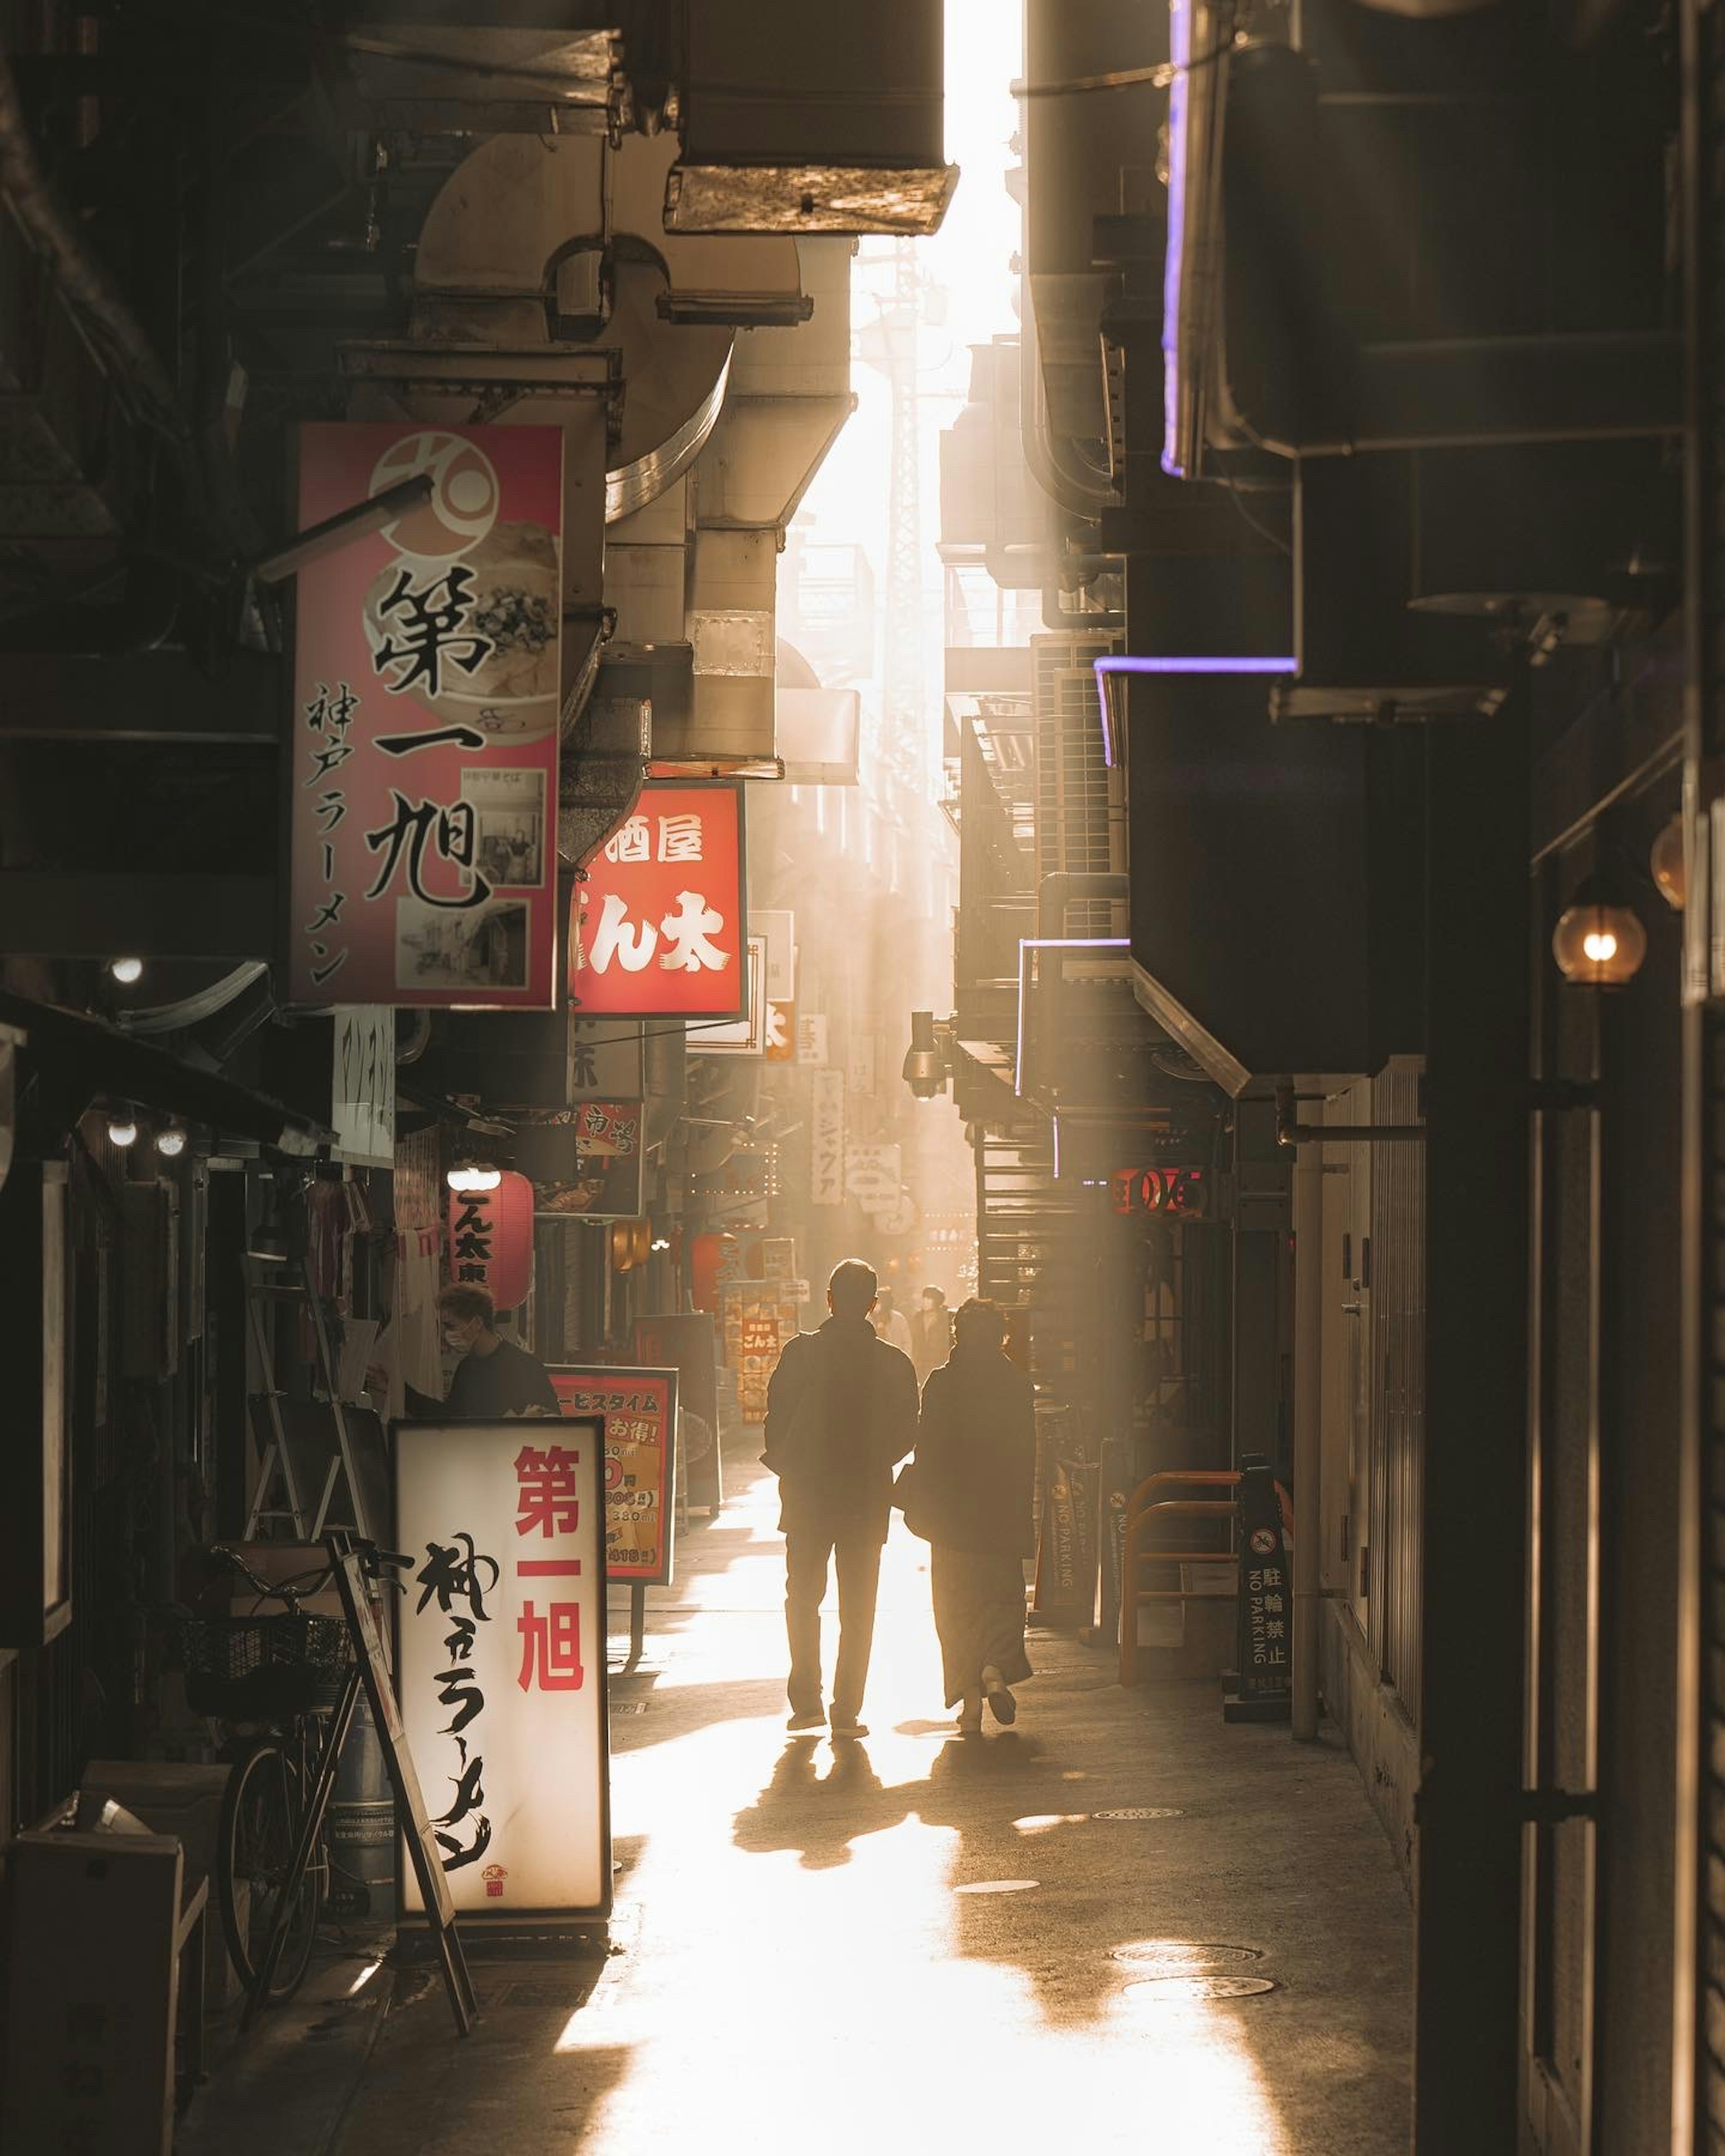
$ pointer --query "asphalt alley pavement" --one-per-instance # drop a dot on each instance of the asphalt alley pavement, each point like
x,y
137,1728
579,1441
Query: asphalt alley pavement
x,y
1120,1926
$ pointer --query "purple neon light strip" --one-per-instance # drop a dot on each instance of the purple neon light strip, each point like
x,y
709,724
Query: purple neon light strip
x,y
1232,663
1179,24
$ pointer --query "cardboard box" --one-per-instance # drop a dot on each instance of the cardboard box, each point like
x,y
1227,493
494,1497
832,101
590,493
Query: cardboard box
x,y
171,1797
90,2001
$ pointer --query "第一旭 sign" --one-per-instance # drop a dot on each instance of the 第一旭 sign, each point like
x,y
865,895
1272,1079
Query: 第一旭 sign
x,y
639,1411
424,767
500,1661
658,923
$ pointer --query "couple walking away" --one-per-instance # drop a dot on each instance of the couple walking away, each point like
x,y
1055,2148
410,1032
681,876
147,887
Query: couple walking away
x,y
842,1411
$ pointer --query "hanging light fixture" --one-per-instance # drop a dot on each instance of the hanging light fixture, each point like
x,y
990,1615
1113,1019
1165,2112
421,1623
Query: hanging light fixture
x,y
126,970
1597,943
1669,862
474,1175
122,1125
171,1140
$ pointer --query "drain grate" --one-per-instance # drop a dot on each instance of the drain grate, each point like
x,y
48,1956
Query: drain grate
x,y
1142,1812
1156,1988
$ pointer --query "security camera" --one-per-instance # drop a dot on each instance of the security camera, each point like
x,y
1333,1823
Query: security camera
x,y
925,1064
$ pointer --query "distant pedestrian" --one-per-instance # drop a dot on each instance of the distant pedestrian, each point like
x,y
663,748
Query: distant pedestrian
x,y
891,1324
841,1412
931,1334
972,1477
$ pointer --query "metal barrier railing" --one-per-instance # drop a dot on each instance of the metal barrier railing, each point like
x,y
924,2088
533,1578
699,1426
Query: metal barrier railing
x,y
1144,1510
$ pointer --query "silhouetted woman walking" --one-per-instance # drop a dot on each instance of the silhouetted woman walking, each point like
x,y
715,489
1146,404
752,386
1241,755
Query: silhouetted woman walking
x,y
970,1498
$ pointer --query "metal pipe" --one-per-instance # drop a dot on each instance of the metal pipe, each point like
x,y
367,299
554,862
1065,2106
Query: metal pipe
x,y
345,527
1288,1132
85,282
1308,1434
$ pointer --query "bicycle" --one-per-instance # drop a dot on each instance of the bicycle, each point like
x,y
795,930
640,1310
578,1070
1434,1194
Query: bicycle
x,y
277,1675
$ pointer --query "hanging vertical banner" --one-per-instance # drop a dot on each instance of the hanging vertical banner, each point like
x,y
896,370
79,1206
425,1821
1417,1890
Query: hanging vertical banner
x,y
491,1240
425,743
500,1662
639,1411
826,1140
1264,1605
362,1085
658,925
811,1037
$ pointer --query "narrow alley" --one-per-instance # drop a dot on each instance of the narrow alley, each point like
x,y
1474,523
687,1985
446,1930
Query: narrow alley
x,y
1120,1913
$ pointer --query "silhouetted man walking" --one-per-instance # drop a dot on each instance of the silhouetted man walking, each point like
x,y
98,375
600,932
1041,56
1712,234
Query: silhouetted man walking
x,y
841,1412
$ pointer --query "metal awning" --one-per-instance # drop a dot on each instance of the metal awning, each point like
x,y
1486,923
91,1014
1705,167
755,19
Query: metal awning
x,y
76,1060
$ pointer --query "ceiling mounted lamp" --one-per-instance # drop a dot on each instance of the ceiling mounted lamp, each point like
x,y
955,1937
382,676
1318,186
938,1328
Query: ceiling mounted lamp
x,y
1669,862
128,972
122,1125
1598,943
474,1175
171,1140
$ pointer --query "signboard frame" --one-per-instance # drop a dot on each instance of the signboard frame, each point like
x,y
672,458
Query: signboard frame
x,y
602,1378
492,1449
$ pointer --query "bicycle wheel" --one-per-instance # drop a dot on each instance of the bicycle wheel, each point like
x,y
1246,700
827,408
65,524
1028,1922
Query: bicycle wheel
x,y
263,1808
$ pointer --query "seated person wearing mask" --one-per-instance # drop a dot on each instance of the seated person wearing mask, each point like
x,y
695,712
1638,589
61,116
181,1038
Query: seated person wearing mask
x,y
494,1378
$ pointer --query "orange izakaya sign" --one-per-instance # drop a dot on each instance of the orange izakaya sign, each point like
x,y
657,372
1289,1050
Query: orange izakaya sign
x,y
424,767
659,924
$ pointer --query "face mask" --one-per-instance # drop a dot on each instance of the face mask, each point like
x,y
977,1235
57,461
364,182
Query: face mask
x,y
453,1339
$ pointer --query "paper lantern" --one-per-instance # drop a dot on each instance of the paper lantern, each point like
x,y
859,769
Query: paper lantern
x,y
491,1239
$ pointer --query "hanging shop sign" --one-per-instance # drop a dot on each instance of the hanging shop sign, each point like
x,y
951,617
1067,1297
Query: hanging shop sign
x,y
873,1175
684,1340
500,1662
639,1410
758,1316
586,1160
778,925
424,763
1183,1192
659,921
812,1037
606,1061
780,1045
1265,1601
491,1240
826,1137
743,1036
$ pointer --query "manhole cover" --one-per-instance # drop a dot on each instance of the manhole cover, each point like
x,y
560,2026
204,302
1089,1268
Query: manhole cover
x,y
1155,1988
998,1886
1183,1958
1142,1812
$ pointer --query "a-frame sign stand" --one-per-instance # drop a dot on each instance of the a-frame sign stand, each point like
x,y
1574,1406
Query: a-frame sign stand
x,y
353,1563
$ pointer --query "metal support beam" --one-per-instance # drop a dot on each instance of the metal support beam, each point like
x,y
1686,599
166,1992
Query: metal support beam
x,y
63,914
1470,1800
156,697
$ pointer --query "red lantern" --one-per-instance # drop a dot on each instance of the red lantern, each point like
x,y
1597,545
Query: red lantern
x,y
491,1239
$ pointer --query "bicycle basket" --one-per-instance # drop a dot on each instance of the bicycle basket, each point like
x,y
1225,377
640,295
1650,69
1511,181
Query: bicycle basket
x,y
264,1669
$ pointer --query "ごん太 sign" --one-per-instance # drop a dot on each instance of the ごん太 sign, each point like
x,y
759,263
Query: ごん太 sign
x,y
423,768
640,1410
500,1661
658,926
